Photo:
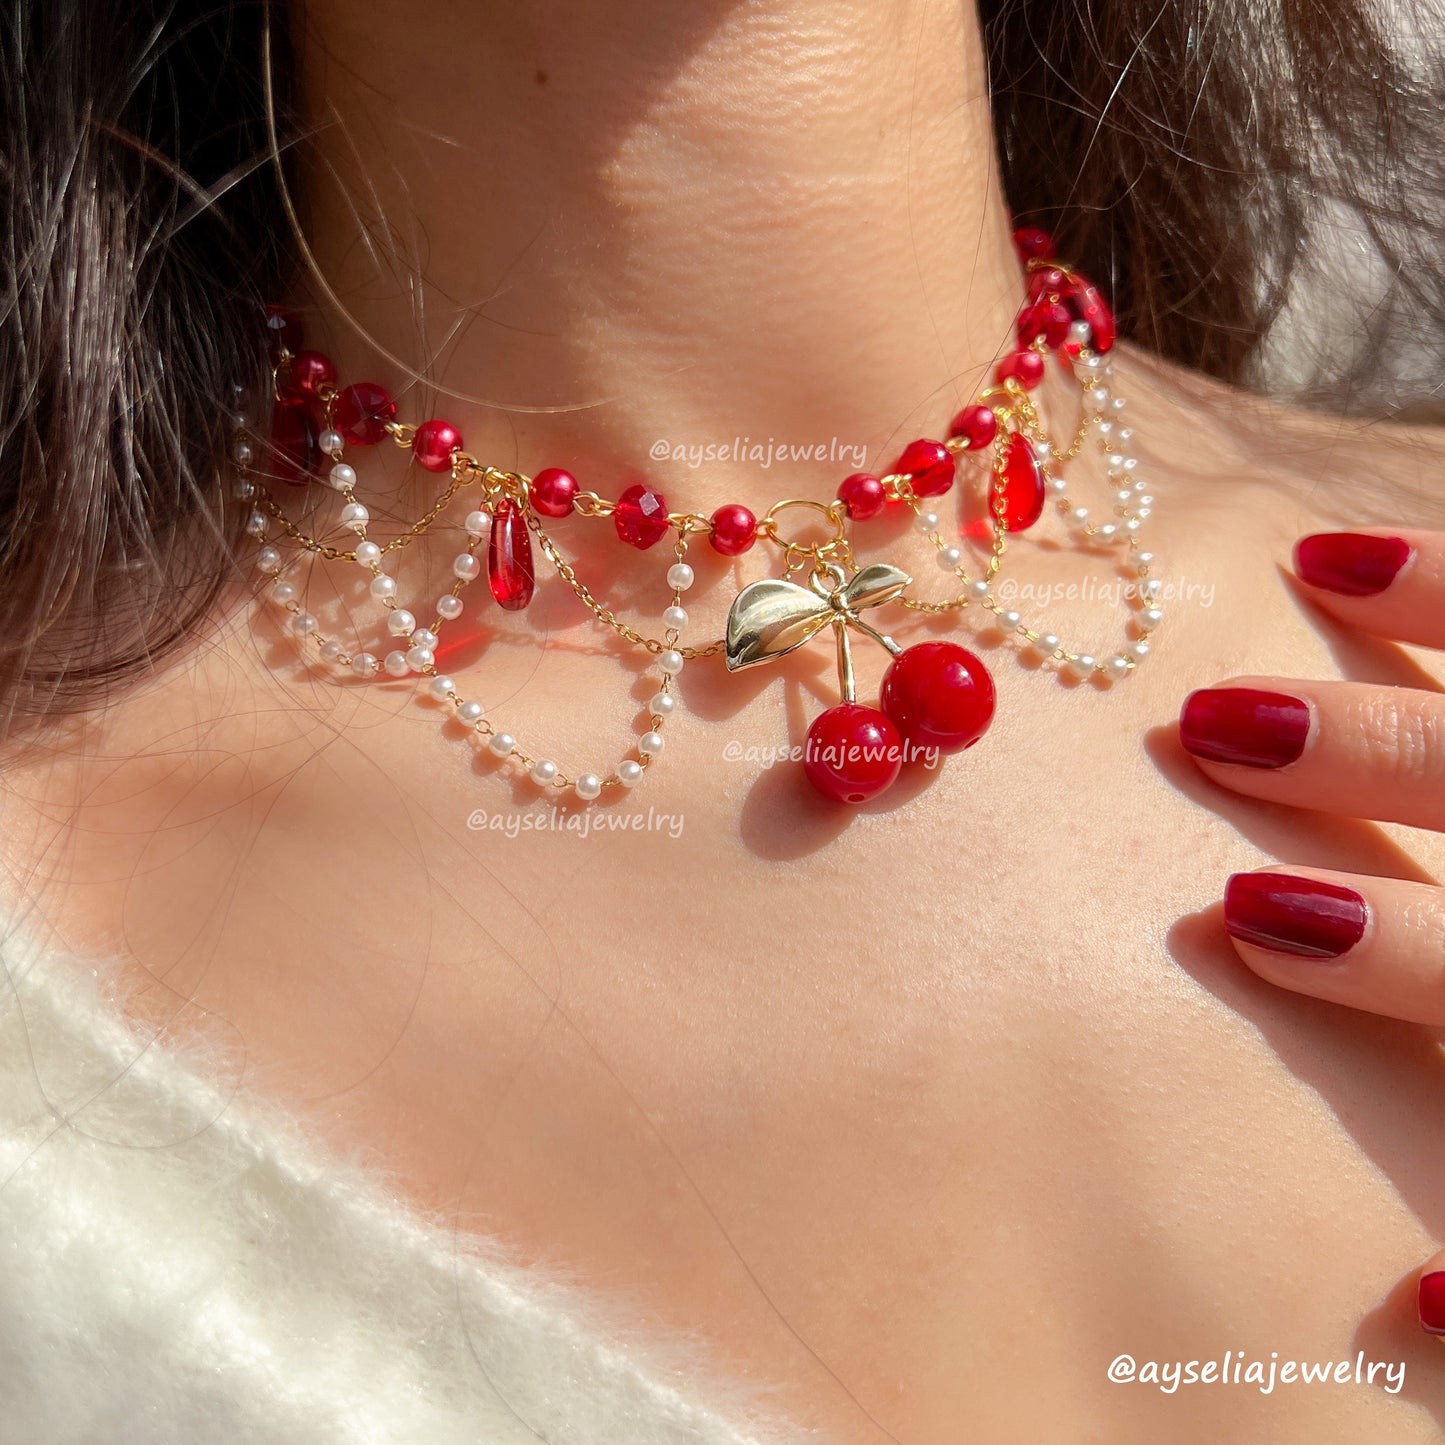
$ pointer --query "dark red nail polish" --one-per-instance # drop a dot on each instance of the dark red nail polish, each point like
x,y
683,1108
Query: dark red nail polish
x,y
1350,563
1298,916
1244,725
1432,1302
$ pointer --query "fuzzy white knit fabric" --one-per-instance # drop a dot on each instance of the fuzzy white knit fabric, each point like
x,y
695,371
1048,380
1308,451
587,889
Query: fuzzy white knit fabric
x,y
183,1263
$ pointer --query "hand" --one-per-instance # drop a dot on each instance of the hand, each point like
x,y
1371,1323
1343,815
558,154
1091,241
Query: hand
x,y
1355,749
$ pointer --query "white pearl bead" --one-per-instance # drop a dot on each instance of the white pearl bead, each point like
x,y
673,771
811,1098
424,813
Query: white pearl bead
x,y
1143,561
368,554
977,589
395,664
663,704
355,516
501,744
588,786
629,773
331,442
1044,451
256,524
331,652
1123,496
1143,503
268,559
1131,525
245,491
470,712
477,523
1117,405
343,476
1126,435
650,744
1150,618
675,617
1097,397
1116,667
303,624
399,622
448,607
440,686
1080,666
679,576
1106,532
383,586
670,661
1080,332
1047,643
1103,427
1142,513
365,665
1115,461
1131,464
1079,517
418,659
949,558
1057,485
1138,650
242,454
544,771
1010,619
423,637
1149,588
927,522
466,566
1090,363
283,592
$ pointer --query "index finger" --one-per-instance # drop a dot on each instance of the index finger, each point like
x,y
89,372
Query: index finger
x,y
1387,582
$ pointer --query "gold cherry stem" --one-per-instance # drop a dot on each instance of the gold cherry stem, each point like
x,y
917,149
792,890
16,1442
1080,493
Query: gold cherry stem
x,y
845,659
878,637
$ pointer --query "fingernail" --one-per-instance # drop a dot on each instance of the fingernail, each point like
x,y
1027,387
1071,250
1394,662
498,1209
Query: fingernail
x,y
1350,563
1432,1302
1244,725
1298,916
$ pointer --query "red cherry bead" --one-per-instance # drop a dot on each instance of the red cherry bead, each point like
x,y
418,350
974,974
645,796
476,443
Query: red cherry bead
x,y
310,371
552,492
1023,485
283,331
977,425
734,530
862,495
434,443
929,464
641,516
1049,319
1025,367
362,412
939,696
1033,244
852,754
1047,281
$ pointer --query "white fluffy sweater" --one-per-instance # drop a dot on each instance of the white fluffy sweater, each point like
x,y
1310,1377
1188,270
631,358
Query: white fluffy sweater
x,y
186,1265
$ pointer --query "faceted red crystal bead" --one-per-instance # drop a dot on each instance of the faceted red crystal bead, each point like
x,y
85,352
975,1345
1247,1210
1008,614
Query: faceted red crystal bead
x,y
977,425
1025,367
1088,304
734,530
929,464
434,443
1033,244
509,558
362,412
939,696
310,371
1023,486
641,516
862,495
552,492
1049,319
852,753
283,331
294,451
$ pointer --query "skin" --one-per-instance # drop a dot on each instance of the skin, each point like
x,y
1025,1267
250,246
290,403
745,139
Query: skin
x,y
917,1116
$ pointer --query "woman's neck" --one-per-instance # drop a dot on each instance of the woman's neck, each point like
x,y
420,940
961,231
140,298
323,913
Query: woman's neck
x,y
597,233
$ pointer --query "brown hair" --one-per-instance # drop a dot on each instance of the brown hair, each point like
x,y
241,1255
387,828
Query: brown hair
x,y
1193,156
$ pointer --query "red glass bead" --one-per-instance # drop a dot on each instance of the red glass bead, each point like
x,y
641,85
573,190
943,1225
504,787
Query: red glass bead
x,y
1088,304
1025,367
283,331
939,696
1023,485
362,412
310,371
852,753
434,443
977,425
1047,281
863,496
734,530
1049,319
929,464
294,452
509,558
552,492
1033,244
641,516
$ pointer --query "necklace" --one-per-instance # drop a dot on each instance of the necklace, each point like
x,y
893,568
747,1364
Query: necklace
x,y
936,698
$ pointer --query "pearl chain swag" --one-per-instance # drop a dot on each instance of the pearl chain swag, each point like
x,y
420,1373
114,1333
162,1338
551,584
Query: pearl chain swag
x,y
1004,413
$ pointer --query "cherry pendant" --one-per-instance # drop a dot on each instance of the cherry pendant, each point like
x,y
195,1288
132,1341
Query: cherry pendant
x,y
939,696
509,558
1023,485
853,753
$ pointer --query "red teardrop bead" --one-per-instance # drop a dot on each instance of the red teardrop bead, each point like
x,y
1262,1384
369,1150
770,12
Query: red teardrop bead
x,y
1033,244
310,371
509,558
552,492
929,464
641,516
293,441
434,443
1023,486
734,530
852,753
362,412
977,425
939,696
862,495
1025,367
